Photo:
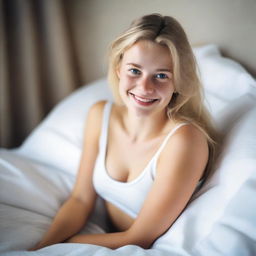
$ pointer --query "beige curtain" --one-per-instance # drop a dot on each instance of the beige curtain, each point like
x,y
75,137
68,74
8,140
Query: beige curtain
x,y
38,65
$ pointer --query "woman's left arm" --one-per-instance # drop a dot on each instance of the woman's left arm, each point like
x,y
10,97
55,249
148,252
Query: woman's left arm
x,y
179,169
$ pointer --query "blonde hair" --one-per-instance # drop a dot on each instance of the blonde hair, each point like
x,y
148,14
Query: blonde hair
x,y
187,102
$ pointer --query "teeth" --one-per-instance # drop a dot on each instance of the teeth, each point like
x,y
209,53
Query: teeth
x,y
143,100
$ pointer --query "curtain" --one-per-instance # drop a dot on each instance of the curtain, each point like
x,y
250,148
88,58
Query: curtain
x,y
38,64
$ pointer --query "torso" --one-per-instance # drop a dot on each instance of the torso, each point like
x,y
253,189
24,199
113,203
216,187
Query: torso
x,y
126,160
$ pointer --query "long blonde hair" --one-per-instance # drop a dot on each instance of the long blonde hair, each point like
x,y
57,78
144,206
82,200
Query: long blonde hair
x,y
187,102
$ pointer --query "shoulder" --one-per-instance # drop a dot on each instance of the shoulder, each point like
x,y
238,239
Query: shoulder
x,y
94,118
97,108
187,147
189,134
95,112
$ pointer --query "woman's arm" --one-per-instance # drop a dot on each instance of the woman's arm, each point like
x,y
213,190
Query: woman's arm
x,y
179,169
72,216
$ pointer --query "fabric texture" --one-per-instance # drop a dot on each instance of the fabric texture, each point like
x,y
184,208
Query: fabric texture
x,y
38,65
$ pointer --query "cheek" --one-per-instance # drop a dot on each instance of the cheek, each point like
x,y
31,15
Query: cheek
x,y
125,82
166,90
166,93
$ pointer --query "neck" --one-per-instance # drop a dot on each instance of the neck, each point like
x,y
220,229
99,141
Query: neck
x,y
141,128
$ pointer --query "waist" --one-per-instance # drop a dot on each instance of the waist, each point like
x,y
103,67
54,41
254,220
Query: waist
x,y
120,220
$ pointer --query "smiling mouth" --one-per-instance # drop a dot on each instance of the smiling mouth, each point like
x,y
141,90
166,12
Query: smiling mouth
x,y
143,101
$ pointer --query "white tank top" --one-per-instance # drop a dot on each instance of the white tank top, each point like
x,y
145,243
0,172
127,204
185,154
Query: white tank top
x,y
127,196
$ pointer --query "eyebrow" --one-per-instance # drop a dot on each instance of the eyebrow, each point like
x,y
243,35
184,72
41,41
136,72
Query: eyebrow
x,y
139,66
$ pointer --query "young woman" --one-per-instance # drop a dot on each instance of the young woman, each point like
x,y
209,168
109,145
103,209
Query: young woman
x,y
147,153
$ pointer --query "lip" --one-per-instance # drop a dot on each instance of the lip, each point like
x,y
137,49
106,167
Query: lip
x,y
143,101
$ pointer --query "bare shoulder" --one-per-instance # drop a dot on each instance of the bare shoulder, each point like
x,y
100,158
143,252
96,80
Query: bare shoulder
x,y
93,122
187,149
190,134
96,109
94,116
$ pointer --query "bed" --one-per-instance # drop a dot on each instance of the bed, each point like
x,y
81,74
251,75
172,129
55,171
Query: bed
x,y
37,177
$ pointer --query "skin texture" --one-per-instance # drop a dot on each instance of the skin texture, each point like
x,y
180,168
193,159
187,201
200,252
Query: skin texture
x,y
146,87
146,72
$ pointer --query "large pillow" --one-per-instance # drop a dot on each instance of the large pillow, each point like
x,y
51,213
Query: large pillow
x,y
222,76
224,79
57,141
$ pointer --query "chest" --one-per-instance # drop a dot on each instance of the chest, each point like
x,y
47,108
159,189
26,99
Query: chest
x,y
125,160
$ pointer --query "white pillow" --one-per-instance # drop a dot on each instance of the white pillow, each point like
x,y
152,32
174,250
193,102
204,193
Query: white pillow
x,y
57,141
224,79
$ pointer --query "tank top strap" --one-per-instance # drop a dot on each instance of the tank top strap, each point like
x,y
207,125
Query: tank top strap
x,y
105,125
167,138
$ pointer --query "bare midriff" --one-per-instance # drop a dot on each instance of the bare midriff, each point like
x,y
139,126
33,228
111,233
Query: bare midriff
x,y
120,220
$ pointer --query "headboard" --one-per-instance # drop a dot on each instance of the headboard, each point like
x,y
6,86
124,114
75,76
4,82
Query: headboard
x,y
229,24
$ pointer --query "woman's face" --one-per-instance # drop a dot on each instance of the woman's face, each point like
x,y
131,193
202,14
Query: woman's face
x,y
146,78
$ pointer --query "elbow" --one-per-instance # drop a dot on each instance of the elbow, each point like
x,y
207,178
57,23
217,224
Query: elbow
x,y
144,241
145,245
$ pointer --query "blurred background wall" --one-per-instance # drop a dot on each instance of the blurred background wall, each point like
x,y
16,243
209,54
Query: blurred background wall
x,y
48,48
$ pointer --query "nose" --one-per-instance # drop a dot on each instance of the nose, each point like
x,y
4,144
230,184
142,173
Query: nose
x,y
146,85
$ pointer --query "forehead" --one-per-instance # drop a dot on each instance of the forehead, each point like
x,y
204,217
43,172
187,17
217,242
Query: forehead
x,y
148,53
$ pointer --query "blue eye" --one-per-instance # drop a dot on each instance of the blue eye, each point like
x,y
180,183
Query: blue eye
x,y
161,76
134,71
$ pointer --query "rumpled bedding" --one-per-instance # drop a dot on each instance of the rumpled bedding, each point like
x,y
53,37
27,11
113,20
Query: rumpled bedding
x,y
37,178
31,193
